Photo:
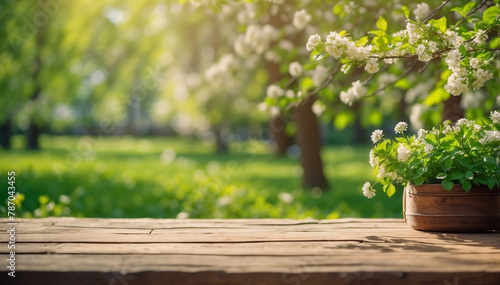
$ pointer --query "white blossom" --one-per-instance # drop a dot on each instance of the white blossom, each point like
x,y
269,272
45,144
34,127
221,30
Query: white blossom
x,y
368,190
456,85
274,91
421,135
285,197
354,93
481,77
480,36
377,135
453,39
422,53
413,33
495,117
318,108
301,19
421,11
403,153
313,41
428,148
372,66
401,127
295,69
373,159
490,136
474,63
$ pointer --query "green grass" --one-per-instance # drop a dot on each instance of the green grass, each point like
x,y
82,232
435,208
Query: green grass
x,y
129,177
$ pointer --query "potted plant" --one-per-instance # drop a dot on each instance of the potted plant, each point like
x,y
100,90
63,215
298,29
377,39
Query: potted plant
x,y
451,174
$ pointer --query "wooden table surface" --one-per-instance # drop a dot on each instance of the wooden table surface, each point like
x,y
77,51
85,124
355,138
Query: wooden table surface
x,y
245,251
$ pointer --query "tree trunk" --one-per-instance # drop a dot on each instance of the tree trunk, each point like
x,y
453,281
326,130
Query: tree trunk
x,y
33,131
32,136
308,139
5,133
452,110
220,140
277,124
283,141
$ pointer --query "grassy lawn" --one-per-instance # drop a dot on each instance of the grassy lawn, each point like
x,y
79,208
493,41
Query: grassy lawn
x,y
162,177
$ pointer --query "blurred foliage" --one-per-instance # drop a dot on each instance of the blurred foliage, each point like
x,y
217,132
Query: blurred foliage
x,y
167,178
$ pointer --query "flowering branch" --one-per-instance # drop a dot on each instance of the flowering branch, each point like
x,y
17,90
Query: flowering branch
x,y
433,13
407,71
471,12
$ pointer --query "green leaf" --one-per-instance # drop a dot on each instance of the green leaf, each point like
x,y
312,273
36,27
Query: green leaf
x,y
457,175
362,42
377,33
468,7
447,185
338,9
466,186
389,189
462,50
490,14
469,175
406,11
382,23
490,160
459,10
491,182
419,181
320,55
441,176
441,24
447,164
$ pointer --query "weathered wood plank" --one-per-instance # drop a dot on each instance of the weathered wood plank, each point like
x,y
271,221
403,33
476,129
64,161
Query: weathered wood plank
x,y
157,251
249,249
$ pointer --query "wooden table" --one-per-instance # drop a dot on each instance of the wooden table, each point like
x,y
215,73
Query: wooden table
x,y
159,251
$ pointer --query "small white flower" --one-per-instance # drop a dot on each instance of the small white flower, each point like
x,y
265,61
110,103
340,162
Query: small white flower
x,y
290,94
421,11
313,41
480,36
377,136
490,136
274,91
401,127
421,135
64,199
495,117
183,215
353,94
428,148
403,153
295,69
474,63
481,77
373,159
368,190
372,66
318,108
285,197
301,19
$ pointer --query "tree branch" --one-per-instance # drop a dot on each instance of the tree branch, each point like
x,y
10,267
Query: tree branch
x,y
410,68
433,13
471,12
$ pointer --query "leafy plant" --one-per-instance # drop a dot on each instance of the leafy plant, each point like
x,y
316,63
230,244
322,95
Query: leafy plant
x,y
466,153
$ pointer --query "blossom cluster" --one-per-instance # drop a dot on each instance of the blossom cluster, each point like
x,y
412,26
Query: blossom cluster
x,y
430,155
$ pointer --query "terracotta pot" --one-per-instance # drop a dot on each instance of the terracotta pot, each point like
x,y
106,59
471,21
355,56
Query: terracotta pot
x,y
430,207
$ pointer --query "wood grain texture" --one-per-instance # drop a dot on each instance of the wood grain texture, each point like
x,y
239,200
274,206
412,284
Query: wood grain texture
x,y
430,207
161,251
